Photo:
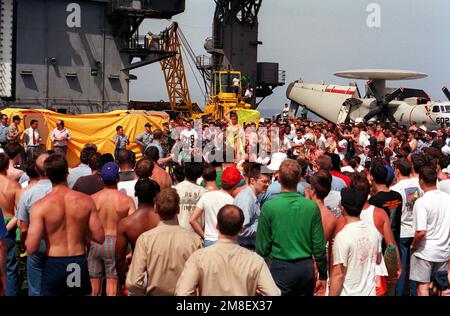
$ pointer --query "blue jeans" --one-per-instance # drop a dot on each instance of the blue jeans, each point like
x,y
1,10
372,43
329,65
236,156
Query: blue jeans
x,y
294,277
35,266
11,264
405,255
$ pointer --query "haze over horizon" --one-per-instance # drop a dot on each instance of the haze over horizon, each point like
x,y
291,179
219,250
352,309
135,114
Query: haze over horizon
x,y
312,39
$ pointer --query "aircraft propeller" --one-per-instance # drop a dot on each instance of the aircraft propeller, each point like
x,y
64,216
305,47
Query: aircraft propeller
x,y
383,101
446,92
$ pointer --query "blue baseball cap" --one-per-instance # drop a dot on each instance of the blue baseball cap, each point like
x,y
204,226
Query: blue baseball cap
x,y
110,172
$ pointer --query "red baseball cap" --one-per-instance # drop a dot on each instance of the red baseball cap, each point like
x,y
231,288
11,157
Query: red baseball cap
x,y
231,176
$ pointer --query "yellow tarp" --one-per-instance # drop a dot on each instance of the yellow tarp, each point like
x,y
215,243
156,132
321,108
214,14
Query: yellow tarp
x,y
98,129
247,116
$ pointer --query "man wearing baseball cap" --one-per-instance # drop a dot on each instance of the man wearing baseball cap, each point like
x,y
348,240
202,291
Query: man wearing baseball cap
x,y
112,206
211,202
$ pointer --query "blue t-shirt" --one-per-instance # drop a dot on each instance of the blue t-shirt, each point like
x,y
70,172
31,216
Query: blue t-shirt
x,y
274,189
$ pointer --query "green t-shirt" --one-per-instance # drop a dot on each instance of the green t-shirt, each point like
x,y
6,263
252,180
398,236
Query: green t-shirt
x,y
290,228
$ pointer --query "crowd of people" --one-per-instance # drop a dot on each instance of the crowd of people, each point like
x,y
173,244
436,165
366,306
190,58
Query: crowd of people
x,y
215,207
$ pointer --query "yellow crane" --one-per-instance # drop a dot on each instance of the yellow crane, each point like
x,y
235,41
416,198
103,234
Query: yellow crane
x,y
222,95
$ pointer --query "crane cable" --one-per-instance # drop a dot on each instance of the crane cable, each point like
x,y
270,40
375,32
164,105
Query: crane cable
x,y
189,53
193,57
195,77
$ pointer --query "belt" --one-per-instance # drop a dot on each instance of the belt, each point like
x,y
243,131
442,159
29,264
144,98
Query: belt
x,y
60,146
293,260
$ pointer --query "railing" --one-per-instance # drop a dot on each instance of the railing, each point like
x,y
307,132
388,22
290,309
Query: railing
x,y
145,42
158,8
203,61
130,5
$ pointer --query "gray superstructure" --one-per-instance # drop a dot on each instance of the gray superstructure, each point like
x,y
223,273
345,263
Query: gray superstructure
x,y
75,56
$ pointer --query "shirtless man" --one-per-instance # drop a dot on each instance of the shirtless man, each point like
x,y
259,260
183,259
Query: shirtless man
x,y
131,227
65,219
36,261
13,150
9,197
320,187
112,206
159,175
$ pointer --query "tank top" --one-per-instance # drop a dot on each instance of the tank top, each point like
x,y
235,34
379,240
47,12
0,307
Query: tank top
x,y
367,217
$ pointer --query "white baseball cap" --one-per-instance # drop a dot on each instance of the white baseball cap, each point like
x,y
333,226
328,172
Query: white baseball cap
x,y
276,160
446,170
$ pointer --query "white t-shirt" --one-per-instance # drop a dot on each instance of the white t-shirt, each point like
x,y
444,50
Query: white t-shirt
x,y
444,186
356,246
347,169
189,137
432,214
363,141
236,82
127,187
322,143
344,144
387,142
189,195
332,201
298,141
410,192
211,202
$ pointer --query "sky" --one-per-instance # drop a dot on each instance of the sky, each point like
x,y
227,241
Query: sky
x,y
312,39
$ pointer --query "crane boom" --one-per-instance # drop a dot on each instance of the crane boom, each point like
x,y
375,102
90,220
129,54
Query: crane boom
x,y
174,73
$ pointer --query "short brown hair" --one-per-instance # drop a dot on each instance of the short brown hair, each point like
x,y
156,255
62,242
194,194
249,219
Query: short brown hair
x,y
123,157
4,162
404,166
12,150
144,168
321,183
230,219
94,161
56,168
360,183
289,174
428,175
157,134
324,162
209,173
167,204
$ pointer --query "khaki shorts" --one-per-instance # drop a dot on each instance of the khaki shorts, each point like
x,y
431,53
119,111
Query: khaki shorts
x,y
421,269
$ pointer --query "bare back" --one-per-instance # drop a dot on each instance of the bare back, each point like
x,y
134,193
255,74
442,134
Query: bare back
x,y
66,215
112,206
9,195
137,223
161,177
328,222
